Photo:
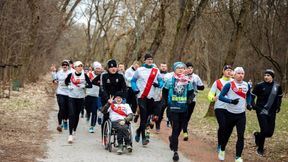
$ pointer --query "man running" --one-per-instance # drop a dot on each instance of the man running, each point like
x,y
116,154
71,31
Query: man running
x,y
269,97
92,95
62,94
143,82
77,82
219,106
198,85
237,94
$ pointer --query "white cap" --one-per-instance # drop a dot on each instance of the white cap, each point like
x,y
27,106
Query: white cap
x,y
77,63
97,64
239,70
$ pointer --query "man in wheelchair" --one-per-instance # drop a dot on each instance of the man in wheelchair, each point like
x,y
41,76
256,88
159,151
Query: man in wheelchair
x,y
120,114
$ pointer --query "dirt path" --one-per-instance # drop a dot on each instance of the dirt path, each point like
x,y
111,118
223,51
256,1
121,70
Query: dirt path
x,y
195,149
87,147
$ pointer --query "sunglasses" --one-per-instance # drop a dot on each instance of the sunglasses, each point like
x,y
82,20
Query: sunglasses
x,y
65,65
80,66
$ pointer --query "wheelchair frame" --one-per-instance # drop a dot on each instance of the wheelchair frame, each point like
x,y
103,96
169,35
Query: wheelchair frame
x,y
110,135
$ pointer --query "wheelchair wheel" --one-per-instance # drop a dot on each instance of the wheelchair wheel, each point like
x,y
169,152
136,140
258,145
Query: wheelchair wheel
x,y
107,135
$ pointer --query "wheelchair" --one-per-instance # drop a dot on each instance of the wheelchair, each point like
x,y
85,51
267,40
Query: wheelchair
x,y
110,136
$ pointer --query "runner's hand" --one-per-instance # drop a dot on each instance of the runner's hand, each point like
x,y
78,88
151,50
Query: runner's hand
x,y
235,101
136,92
110,100
155,84
249,107
122,122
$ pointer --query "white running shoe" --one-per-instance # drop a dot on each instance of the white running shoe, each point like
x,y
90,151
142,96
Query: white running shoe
x,y
221,155
239,159
70,139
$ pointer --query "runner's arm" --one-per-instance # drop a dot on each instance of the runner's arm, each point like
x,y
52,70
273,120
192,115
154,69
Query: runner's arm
x,y
224,91
133,82
67,80
212,93
88,82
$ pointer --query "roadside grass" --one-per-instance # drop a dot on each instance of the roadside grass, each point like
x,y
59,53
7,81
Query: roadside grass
x,y
206,128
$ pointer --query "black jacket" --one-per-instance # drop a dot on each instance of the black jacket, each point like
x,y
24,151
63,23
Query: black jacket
x,y
262,90
111,83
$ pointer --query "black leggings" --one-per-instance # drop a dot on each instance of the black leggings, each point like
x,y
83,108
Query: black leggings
x,y
188,116
75,107
63,103
132,100
146,109
238,120
162,106
91,106
177,120
221,119
267,126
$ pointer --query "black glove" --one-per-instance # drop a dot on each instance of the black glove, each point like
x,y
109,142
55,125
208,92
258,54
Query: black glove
x,y
278,110
235,101
136,92
249,107
264,112
155,84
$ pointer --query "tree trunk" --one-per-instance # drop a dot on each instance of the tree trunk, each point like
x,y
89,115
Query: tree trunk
x,y
185,25
161,29
238,32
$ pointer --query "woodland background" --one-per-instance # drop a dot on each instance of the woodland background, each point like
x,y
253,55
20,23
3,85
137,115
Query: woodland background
x,y
209,33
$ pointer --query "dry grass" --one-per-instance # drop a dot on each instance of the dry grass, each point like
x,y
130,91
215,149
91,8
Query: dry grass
x,y
23,123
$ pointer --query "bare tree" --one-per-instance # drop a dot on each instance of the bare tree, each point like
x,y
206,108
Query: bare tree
x,y
189,13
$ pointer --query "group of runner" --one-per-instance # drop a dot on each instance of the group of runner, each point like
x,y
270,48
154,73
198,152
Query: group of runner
x,y
150,90
231,96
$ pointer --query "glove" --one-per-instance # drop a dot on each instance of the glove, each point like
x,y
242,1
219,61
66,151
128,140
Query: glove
x,y
278,110
235,101
264,112
155,84
249,107
136,92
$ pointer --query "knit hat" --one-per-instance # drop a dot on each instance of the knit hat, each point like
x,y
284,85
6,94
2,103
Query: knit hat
x,y
147,55
65,62
111,63
77,63
227,67
120,94
239,70
270,72
97,64
178,65
189,64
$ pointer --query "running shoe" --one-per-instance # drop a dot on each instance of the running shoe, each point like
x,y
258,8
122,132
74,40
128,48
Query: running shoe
x,y
59,128
260,152
129,148
70,139
120,149
238,159
145,141
175,156
91,130
221,155
185,135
